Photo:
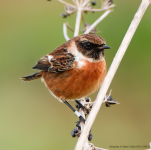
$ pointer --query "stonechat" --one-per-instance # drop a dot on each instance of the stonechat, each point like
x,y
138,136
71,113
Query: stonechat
x,y
73,70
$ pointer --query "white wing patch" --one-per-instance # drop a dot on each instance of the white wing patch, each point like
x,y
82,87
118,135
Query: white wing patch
x,y
50,57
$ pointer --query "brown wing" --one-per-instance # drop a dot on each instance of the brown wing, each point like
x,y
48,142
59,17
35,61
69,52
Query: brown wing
x,y
58,60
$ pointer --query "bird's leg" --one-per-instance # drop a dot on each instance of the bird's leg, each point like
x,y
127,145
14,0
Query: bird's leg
x,y
80,105
84,110
75,112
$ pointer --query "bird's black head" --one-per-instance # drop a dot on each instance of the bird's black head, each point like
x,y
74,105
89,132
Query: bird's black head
x,y
91,46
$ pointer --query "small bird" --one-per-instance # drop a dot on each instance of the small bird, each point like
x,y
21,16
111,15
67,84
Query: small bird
x,y
73,70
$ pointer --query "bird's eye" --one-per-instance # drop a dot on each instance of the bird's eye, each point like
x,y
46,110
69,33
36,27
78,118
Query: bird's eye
x,y
88,45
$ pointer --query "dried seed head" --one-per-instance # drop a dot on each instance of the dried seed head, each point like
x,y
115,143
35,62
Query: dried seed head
x,y
69,10
77,106
105,4
93,3
107,104
110,2
90,137
87,99
78,125
64,15
73,134
110,101
76,130
109,98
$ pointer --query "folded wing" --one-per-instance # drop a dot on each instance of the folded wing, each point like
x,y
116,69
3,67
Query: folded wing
x,y
59,61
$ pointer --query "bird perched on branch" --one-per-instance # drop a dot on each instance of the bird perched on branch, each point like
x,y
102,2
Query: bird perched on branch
x,y
73,70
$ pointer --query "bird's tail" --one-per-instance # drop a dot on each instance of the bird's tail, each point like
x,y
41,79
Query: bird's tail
x,y
32,77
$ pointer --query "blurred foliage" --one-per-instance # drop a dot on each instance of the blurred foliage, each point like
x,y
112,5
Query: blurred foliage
x,y
30,118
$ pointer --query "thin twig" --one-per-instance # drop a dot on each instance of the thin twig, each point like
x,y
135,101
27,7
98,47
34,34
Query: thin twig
x,y
65,32
85,2
74,1
97,21
117,59
69,28
77,1
77,25
68,4
83,21
102,9
81,1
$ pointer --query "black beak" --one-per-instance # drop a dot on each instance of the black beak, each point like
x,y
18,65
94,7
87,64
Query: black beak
x,y
104,47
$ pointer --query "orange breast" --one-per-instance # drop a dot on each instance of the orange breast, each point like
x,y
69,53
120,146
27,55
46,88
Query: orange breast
x,y
76,83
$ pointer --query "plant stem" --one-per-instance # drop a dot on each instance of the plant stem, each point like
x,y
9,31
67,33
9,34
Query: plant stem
x,y
68,4
97,21
78,19
65,32
113,68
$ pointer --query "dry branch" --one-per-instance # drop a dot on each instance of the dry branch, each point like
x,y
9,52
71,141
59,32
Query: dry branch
x,y
84,6
114,66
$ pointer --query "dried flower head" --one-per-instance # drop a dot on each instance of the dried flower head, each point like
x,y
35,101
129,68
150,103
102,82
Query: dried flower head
x,y
69,9
64,15
106,4
110,2
93,3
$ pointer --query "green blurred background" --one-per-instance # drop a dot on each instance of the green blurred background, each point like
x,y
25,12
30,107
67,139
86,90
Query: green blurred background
x,y
30,118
